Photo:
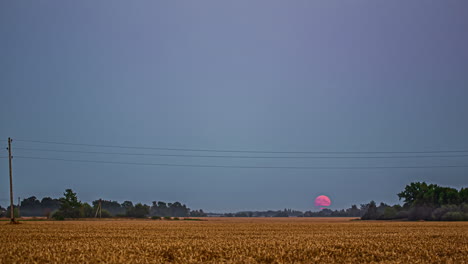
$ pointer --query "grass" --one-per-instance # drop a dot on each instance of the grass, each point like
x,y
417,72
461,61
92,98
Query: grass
x,y
234,240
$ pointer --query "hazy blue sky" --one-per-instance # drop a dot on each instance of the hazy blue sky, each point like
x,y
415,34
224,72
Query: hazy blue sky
x,y
261,75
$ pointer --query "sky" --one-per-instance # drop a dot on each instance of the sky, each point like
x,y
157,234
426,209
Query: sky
x,y
232,75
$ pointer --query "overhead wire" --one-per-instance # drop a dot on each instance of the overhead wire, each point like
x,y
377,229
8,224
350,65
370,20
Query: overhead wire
x,y
344,155
243,151
247,167
241,157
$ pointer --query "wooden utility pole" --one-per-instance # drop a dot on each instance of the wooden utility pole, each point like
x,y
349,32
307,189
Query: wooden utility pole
x,y
99,209
19,206
12,212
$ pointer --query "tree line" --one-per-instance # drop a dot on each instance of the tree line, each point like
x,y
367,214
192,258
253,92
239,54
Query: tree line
x,y
424,201
421,201
69,206
353,211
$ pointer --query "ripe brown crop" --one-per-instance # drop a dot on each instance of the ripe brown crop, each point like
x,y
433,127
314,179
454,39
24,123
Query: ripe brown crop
x,y
234,240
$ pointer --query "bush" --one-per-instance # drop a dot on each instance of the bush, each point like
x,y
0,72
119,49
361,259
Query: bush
x,y
464,207
167,218
105,214
402,215
86,210
58,215
156,217
455,216
446,213
420,213
389,213
175,218
438,213
16,212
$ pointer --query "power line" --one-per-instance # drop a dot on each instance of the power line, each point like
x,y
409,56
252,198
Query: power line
x,y
248,167
243,157
244,151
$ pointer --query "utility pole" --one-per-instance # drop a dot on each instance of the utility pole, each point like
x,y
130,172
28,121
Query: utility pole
x,y
99,209
19,205
12,213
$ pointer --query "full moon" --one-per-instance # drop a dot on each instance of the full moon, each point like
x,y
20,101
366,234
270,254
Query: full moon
x,y
322,201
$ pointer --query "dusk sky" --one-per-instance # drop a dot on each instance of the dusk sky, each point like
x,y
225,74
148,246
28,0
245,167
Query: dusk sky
x,y
312,76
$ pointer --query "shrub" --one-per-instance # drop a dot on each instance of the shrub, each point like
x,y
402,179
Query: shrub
x,y
105,214
389,213
420,213
167,218
438,213
464,207
58,215
402,215
455,216
156,217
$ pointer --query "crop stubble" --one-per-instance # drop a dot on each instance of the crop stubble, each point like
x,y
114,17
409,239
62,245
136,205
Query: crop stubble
x,y
246,240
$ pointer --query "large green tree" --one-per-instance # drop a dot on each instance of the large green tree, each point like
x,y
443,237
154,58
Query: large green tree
x,y
70,206
431,195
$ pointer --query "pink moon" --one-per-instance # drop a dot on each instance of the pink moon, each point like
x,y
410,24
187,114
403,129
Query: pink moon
x,y
322,200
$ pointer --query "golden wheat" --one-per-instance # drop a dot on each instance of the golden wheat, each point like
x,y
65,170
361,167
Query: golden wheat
x,y
248,240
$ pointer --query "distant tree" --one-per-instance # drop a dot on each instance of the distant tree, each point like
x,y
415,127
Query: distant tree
x,y
463,195
70,206
105,214
127,204
371,213
2,211
179,210
281,214
353,211
49,204
241,214
31,202
432,202
389,213
197,213
70,198
129,208
455,216
86,210
112,207
175,209
139,211
31,207
429,195
413,193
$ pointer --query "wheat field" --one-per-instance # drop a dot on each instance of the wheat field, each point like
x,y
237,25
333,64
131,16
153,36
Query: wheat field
x,y
234,240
